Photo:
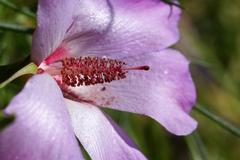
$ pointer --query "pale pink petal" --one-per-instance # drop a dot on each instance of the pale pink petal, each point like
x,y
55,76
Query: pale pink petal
x,y
90,17
137,26
102,139
59,20
42,128
166,92
96,27
54,18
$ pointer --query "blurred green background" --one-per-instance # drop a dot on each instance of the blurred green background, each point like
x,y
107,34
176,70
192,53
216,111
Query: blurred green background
x,y
210,38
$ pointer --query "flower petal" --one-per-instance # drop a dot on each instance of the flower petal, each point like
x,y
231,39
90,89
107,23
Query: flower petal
x,y
42,128
165,92
136,27
99,135
54,17
61,20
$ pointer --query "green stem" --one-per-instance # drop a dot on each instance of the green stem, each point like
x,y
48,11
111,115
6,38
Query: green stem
x,y
201,63
15,28
31,68
196,147
221,122
15,8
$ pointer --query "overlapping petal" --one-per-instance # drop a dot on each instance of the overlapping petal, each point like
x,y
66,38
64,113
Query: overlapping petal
x,y
54,18
165,92
100,136
42,128
104,27
59,20
136,27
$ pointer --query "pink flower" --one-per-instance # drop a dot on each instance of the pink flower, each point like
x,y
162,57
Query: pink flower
x,y
121,62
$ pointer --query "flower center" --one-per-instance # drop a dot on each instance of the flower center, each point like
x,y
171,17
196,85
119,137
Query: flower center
x,y
93,70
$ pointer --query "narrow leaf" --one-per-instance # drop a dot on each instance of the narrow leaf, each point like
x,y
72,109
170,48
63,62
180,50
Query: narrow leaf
x,y
16,8
218,120
15,28
5,120
196,147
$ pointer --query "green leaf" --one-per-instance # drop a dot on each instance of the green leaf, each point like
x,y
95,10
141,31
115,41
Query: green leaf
x,y
5,120
196,147
16,8
15,28
29,69
218,120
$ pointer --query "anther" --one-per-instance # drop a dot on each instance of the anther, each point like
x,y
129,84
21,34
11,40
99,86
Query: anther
x,y
93,70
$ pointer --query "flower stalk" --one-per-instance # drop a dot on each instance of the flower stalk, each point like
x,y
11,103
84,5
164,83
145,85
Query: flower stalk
x,y
218,120
28,69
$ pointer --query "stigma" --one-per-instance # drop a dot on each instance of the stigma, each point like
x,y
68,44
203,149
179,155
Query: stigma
x,y
94,70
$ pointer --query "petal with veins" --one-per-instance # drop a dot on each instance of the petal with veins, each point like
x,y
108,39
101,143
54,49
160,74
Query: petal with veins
x,y
99,135
136,27
104,27
62,20
165,92
54,18
42,128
